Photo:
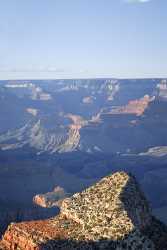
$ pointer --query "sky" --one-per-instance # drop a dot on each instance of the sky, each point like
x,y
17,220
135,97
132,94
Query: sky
x,y
83,39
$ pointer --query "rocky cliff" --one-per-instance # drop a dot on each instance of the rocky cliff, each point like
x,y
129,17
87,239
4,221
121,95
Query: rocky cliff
x,y
136,107
50,199
112,214
49,116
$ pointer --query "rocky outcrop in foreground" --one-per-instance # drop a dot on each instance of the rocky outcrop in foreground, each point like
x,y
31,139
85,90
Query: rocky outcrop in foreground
x,y
112,214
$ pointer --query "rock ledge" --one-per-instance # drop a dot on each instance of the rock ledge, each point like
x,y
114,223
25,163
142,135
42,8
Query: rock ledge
x,y
112,214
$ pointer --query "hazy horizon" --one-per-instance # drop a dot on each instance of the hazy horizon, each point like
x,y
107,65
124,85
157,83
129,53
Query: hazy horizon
x,y
82,78
82,39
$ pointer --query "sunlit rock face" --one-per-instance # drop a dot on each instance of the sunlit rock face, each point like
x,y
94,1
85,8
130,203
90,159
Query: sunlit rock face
x,y
50,199
112,214
136,107
112,208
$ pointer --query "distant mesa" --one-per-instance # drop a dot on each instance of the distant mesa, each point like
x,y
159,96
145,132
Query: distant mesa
x,y
32,111
19,85
136,107
88,100
162,90
160,151
36,93
51,199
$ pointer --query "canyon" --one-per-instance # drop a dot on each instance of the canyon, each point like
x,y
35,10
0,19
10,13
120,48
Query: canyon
x,y
71,133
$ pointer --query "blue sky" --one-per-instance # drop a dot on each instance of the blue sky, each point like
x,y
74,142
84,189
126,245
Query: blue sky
x,y
83,38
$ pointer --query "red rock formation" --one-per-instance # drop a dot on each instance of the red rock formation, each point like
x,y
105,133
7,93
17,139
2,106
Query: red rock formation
x,y
77,121
136,107
32,235
50,199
